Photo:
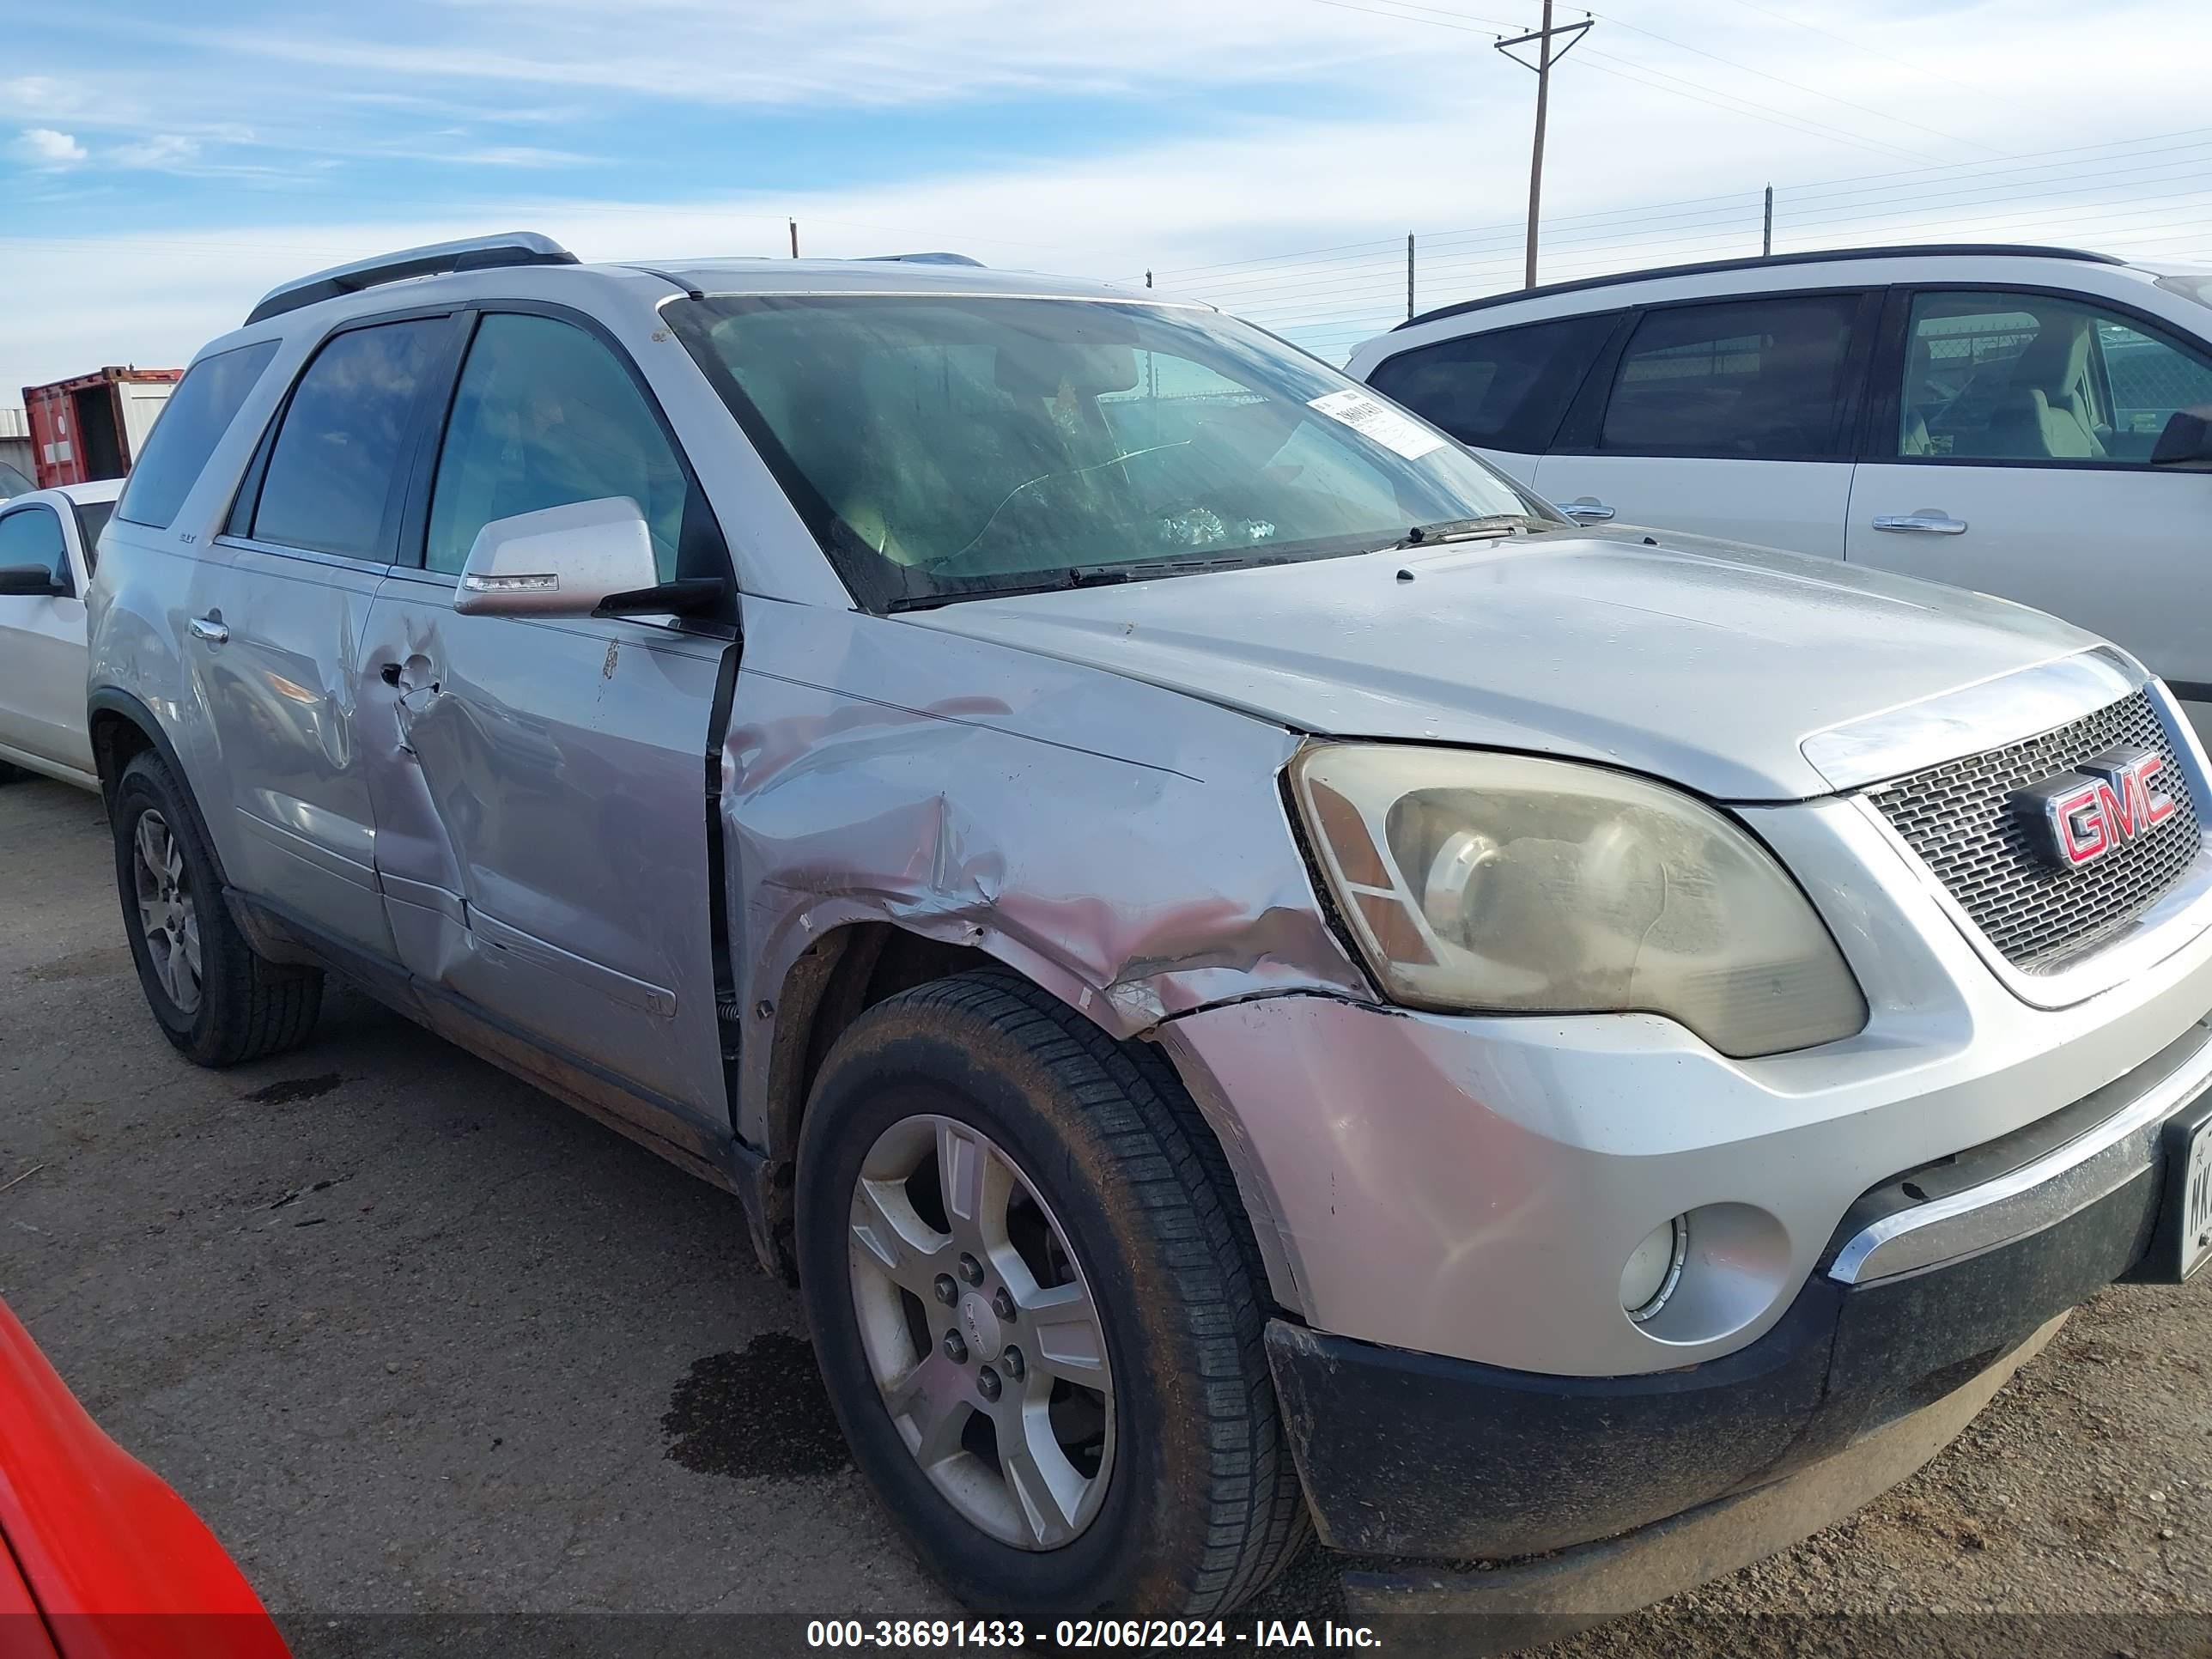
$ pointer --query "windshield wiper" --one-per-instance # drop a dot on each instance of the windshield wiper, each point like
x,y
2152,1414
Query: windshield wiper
x,y
1084,576
1467,529
1051,582
1138,570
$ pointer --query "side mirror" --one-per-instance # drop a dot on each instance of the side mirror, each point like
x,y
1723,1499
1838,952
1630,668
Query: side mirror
x,y
28,582
2187,440
558,561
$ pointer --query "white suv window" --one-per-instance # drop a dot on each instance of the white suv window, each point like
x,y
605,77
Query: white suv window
x,y
2034,377
1759,378
1507,389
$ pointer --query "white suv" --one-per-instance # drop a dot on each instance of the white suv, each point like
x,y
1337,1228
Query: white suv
x,y
2029,422
47,543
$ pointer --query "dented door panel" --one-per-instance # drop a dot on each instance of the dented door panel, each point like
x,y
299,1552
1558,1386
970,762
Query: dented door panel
x,y
542,837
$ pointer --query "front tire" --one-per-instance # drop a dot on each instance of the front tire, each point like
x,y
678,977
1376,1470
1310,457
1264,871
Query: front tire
x,y
214,998
1038,1311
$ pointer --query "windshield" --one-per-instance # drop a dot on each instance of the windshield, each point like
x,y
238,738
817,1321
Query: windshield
x,y
13,482
2189,284
948,447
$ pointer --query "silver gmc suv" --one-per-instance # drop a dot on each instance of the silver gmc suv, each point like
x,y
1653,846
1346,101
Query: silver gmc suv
x,y
1258,977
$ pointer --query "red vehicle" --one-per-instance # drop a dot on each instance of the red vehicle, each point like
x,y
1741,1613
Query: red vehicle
x,y
99,1559
93,425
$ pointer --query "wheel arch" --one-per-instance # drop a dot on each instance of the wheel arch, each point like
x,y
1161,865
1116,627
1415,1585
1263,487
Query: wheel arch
x,y
121,728
844,971
849,969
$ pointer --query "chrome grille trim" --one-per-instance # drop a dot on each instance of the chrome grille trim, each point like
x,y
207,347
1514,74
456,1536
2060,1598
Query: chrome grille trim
x,y
1959,819
1876,748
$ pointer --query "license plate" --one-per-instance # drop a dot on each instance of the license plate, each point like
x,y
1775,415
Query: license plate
x,y
2195,1174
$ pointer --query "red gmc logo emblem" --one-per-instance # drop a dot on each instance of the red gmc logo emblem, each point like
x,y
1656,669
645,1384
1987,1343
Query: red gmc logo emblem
x,y
2077,818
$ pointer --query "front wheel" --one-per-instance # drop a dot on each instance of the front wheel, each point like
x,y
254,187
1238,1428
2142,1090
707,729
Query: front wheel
x,y
1038,1310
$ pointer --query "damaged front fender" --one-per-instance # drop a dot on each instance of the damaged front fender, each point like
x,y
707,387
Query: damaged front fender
x,y
1125,846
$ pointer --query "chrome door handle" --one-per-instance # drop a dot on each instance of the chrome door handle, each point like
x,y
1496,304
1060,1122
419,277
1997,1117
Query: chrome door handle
x,y
210,629
1586,510
1928,521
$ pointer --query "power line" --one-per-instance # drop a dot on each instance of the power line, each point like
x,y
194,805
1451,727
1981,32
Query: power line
x,y
1730,62
1737,105
1780,81
1826,35
1960,187
1853,185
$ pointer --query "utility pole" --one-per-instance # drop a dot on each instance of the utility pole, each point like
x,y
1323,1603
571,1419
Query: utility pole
x,y
794,239
1546,57
1409,276
1766,231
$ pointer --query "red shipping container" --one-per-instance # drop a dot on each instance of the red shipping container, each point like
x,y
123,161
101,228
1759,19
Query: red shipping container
x,y
93,426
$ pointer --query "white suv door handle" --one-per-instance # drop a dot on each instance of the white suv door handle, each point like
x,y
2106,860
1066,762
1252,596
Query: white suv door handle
x,y
1588,510
1928,521
210,629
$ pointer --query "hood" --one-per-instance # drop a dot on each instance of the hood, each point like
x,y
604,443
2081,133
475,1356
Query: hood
x,y
1706,664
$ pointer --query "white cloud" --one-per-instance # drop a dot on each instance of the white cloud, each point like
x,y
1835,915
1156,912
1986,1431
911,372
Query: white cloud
x,y
43,147
158,152
832,51
38,94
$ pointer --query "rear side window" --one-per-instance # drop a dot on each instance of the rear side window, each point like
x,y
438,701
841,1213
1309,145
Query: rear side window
x,y
1505,389
333,472
1759,379
200,412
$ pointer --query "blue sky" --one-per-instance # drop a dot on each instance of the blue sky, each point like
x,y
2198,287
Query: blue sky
x,y
165,164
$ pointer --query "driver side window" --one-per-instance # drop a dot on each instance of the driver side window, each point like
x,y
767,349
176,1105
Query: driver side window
x,y
545,415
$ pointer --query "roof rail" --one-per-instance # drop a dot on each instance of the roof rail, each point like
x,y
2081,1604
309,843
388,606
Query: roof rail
x,y
917,259
512,247
1818,257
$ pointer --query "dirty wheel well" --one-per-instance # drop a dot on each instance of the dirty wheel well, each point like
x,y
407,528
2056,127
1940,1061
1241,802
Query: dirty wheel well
x,y
839,978
117,740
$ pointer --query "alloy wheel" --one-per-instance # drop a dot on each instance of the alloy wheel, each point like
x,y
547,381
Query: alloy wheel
x,y
167,915
986,1343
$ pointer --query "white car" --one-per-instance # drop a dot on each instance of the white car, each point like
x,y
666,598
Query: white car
x,y
48,540
2029,422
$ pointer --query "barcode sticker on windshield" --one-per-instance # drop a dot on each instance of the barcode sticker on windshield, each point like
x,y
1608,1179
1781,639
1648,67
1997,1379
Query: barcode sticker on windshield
x,y
1372,420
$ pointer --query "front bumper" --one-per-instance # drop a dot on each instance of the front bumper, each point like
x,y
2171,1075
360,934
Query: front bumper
x,y
1471,1187
1511,1608
1406,1454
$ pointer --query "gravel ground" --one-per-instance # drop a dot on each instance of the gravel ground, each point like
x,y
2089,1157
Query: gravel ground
x,y
415,1339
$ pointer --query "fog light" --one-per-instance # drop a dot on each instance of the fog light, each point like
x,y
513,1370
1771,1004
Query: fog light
x,y
1654,1268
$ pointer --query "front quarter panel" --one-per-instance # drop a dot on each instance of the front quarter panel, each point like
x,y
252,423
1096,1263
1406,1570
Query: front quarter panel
x,y
1126,847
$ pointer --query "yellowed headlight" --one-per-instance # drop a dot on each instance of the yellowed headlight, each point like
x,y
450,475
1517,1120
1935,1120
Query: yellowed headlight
x,y
1488,882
